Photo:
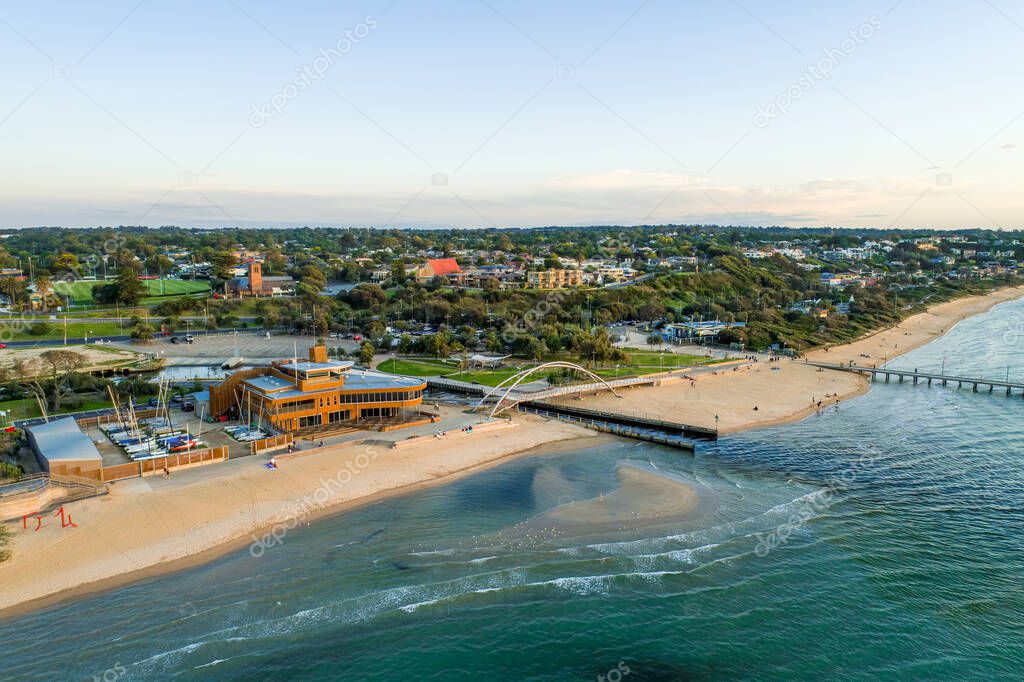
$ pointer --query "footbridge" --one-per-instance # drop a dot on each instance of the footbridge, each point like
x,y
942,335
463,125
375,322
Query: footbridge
x,y
508,395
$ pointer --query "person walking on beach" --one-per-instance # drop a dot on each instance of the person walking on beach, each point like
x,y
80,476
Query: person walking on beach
x,y
167,472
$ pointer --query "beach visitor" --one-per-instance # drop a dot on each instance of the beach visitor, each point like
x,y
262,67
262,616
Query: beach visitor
x,y
273,462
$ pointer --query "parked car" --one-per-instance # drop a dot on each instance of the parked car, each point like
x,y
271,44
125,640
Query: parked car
x,y
190,339
188,406
3,345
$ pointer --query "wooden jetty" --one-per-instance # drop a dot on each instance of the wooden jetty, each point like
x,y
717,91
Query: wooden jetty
x,y
903,375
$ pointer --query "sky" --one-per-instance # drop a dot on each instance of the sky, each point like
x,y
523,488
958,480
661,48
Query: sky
x,y
478,113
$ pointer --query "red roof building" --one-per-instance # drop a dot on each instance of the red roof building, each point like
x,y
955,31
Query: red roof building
x,y
440,267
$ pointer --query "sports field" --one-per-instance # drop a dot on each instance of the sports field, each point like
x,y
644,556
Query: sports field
x,y
81,292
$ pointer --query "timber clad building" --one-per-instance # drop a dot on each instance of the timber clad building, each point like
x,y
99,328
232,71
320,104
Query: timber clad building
x,y
295,396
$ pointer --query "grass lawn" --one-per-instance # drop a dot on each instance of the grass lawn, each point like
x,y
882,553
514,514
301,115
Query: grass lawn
x,y
415,368
28,408
81,292
489,377
654,359
54,329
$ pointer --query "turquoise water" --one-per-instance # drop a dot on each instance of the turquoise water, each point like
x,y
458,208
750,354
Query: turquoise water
x,y
882,541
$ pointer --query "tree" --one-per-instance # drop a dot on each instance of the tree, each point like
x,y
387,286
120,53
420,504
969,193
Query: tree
x,y
375,329
366,296
65,262
127,289
439,344
654,339
45,290
313,277
62,365
130,289
493,343
13,288
142,333
222,262
366,353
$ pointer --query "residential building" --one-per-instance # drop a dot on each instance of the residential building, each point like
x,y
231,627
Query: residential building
x,y
554,279
445,268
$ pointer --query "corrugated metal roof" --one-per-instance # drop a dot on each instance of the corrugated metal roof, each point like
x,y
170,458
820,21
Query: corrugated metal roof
x,y
62,440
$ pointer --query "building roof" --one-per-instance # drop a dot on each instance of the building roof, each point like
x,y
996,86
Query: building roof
x,y
62,440
354,381
308,366
268,383
444,266
365,380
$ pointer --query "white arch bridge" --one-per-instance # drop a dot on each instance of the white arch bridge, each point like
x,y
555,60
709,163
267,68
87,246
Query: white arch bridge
x,y
509,397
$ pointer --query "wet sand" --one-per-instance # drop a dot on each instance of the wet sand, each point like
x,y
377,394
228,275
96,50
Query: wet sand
x,y
643,497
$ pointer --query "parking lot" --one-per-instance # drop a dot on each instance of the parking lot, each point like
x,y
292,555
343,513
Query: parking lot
x,y
220,347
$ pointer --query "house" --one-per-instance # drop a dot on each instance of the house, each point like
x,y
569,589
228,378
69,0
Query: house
x,y
445,268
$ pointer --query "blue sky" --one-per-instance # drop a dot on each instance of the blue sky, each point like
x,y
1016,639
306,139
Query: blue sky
x,y
474,113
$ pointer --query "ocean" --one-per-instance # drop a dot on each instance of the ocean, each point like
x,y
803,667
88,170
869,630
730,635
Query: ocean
x,y
880,540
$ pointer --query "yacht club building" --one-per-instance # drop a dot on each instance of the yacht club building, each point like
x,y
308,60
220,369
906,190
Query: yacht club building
x,y
316,394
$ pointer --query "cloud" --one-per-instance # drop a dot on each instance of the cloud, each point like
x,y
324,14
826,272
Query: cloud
x,y
618,196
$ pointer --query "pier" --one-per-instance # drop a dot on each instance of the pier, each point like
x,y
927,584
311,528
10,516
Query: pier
x,y
916,377
635,425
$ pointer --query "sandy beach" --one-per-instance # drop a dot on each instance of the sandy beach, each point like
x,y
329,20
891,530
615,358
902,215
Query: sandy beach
x,y
152,525
767,394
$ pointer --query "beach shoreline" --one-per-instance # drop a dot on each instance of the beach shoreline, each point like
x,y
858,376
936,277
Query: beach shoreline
x,y
80,572
205,513
764,395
